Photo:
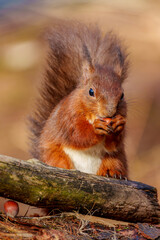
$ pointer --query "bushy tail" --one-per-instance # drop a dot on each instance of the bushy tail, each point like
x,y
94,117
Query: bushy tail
x,y
62,73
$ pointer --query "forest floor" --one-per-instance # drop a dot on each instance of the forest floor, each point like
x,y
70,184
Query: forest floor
x,y
72,226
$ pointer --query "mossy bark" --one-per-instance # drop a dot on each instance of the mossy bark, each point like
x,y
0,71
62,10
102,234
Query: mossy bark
x,y
33,182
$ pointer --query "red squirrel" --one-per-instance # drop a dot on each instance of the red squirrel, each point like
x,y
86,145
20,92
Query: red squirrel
x,y
80,116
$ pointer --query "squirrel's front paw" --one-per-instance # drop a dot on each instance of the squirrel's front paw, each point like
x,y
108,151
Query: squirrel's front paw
x,y
117,124
102,127
115,174
108,126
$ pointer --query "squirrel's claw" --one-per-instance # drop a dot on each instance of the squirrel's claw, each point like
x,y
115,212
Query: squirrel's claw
x,y
116,175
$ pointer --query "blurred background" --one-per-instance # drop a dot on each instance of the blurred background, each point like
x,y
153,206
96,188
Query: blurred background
x,y
22,54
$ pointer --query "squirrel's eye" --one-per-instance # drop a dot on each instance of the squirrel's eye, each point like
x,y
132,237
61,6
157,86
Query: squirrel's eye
x,y
122,96
91,92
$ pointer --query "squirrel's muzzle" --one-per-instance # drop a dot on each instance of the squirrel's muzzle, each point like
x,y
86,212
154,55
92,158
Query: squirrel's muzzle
x,y
111,110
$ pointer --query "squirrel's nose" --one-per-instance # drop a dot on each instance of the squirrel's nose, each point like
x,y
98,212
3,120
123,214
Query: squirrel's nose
x,y
111,110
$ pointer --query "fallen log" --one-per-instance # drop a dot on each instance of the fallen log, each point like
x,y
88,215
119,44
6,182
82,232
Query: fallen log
x,y
35,183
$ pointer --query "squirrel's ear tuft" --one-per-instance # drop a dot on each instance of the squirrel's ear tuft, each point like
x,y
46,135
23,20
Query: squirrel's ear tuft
x,y
113,54
87,70
87,67
119,70
121,63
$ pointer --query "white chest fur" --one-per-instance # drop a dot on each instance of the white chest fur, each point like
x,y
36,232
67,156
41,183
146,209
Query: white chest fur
x,y
87,160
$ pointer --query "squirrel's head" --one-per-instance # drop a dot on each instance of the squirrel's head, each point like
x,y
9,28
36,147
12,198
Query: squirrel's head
x,y
102,90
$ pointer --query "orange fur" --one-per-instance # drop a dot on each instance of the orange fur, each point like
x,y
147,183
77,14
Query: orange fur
x,y
55,156
111,143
